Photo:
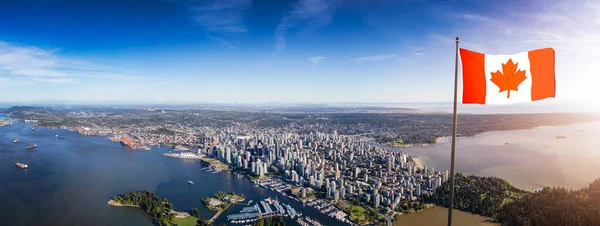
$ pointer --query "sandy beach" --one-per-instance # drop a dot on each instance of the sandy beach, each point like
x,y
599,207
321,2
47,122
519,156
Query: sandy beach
x,y
115,203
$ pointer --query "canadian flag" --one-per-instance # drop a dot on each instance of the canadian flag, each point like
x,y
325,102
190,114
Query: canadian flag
x,y
507,79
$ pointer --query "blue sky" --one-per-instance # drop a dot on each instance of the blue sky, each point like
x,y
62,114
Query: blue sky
x,y
289,51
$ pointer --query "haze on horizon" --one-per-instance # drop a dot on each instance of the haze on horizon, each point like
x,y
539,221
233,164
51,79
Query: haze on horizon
x,y
313,51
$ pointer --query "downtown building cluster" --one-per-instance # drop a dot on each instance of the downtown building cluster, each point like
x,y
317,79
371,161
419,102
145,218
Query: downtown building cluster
x,y
334,166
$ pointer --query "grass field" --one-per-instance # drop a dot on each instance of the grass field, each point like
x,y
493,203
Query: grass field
x,y
216,163
188,221
359,214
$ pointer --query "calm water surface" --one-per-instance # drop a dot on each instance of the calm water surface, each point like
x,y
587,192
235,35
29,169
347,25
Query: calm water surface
x,y
438,216
70,180
528,159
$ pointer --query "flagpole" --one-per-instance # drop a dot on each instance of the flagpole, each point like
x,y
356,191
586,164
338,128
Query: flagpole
x,y
453,154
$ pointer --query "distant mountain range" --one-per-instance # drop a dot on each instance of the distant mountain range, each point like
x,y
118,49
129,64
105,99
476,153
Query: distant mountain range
x,y
546,106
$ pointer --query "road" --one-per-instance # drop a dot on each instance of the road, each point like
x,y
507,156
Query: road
x,y
388,219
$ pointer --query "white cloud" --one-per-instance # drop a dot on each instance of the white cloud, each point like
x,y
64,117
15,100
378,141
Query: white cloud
x,y
317,13
222,16
29,64
316,60
418,51
475,17
374,58
222,41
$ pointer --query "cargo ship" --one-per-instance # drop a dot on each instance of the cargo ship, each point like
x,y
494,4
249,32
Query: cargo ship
x,y
21,165
15,141
31,147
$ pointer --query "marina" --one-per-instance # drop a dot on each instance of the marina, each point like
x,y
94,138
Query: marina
x,y
263,209
321,205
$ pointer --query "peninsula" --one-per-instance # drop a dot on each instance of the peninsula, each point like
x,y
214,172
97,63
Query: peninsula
x,y
159,209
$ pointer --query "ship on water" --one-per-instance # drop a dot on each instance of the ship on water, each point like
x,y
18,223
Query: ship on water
x,y
190,182
21,165
32,129
59,137
31,147
15,141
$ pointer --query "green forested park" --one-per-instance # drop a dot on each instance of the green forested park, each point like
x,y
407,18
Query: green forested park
x,y
496,198
158,208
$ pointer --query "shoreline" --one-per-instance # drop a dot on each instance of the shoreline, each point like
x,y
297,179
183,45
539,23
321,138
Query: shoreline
x,y
149,146
445,139
112,202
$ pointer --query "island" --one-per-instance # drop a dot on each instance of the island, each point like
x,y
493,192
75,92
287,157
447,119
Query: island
x,y
159,209
221,201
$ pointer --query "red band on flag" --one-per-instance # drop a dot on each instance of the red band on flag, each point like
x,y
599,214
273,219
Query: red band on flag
x,y
542,73
473,74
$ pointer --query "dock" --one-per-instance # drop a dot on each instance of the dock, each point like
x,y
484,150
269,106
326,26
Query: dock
x,y
263,209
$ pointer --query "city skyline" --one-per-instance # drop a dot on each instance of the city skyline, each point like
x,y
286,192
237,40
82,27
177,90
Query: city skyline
x,y
303,51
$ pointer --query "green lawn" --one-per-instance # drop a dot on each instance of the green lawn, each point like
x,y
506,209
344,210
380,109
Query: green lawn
x,y
360,215
188,221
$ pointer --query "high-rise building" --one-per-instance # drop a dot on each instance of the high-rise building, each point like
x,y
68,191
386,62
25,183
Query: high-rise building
x,y
334,188
228,156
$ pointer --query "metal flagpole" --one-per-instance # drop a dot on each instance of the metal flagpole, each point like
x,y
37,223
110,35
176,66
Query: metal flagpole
x,y
453,155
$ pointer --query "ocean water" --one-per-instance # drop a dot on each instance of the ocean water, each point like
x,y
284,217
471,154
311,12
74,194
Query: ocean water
x,y
69,181
528,159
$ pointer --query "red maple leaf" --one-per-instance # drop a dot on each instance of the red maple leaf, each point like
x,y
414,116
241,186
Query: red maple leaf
x,y
509,79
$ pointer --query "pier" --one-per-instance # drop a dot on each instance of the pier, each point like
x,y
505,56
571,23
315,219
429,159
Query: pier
x,y
263,209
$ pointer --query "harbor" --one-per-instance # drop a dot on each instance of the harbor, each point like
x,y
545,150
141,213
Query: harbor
x,y
263,209
321,205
